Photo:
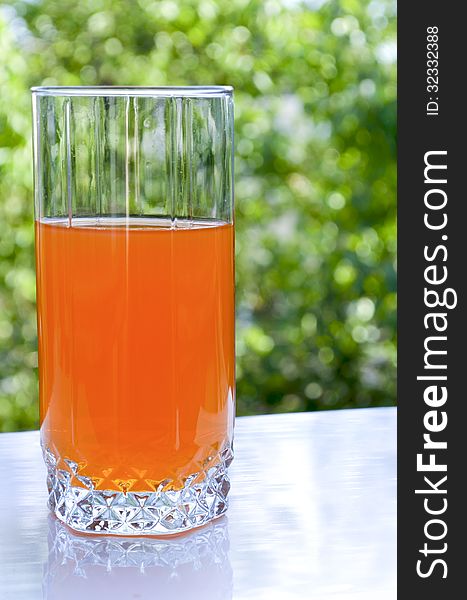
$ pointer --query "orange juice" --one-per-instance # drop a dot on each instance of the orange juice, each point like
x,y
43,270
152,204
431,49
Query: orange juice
x,y
136,347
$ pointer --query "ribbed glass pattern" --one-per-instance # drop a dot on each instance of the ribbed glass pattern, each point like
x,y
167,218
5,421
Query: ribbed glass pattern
x,y
133,155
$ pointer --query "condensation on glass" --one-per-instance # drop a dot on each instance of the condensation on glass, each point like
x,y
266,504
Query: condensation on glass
x,y
135,299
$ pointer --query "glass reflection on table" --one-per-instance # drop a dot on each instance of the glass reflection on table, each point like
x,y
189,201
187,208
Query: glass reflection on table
x,y
194,565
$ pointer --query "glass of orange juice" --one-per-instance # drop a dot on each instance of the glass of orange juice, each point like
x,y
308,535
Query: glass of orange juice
x,y
135,304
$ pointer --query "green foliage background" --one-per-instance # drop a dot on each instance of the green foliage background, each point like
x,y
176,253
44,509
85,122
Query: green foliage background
x,y
315,178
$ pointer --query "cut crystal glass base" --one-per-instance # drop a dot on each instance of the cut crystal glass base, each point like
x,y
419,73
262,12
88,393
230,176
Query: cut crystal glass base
x,y
164,511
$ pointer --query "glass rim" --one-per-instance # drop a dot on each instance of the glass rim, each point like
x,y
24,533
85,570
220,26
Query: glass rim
x,y
168,91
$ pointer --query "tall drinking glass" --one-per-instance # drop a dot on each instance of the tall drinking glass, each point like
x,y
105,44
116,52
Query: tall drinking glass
x,y
135,302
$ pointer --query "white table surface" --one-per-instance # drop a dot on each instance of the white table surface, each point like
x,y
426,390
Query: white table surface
x,y
312,516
